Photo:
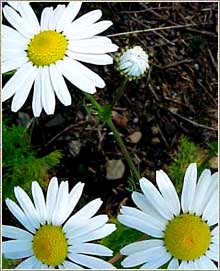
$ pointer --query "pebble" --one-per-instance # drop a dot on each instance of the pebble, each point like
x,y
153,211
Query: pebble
x,y
135,137
114,169
74,147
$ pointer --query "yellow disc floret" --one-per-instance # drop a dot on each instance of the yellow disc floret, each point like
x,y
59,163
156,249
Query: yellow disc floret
x,y
46,48
187,237
50,245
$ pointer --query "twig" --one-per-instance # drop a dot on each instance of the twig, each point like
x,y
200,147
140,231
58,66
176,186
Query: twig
x,y
144,10
212,60
152,29
176,63
205,33
68,128
207,92
193,122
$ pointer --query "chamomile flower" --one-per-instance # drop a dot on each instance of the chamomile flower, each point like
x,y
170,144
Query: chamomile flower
x,y
50,238
185,239
46,52
132,62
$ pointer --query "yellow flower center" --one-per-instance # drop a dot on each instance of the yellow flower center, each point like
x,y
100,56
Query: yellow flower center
x,y
50,245
46,48
187,237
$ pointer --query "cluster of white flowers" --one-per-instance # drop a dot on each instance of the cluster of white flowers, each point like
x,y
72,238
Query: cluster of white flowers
x,y
187,239
182,234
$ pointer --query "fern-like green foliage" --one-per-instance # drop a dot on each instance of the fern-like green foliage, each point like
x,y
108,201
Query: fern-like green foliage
x,y
21,166
187,153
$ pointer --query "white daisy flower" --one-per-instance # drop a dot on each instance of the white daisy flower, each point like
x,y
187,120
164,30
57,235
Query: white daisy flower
x,y
51,239
133,62
43,53
185,239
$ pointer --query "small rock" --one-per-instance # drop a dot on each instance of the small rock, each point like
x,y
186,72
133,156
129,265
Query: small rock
x,y
155,140
74,147
213,162
114,169
135,137
135,120
120,120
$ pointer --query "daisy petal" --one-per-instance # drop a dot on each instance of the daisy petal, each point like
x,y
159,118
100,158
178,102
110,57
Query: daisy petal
x,y
144,256
205,263
18,22
138,224
16,245
157,261
13,65
28,14
211,211
18,254
201,191
97,234
88,18
59,85
74,197
17,81
70,265
213,252
141,201
155,198
102,59
11,34
88,211
131,211
15,233
168,191
46,15
189,187
93,224
96,49
88,31
48,96
91,249
27,264
19,214
215,231
39,202
27,206
22,93
51,198
173,264
58,216
140,246
57,13
36,102
68,68
69,14
90,262
187,265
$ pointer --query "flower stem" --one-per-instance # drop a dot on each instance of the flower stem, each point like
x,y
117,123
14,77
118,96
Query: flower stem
x,y
105,115
123,149
119,92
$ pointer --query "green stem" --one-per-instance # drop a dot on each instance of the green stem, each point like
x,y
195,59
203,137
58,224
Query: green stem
x,y
119,92
123,149
106,117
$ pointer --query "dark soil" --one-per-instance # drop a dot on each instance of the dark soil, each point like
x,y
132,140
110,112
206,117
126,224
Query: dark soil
x,y
178,94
